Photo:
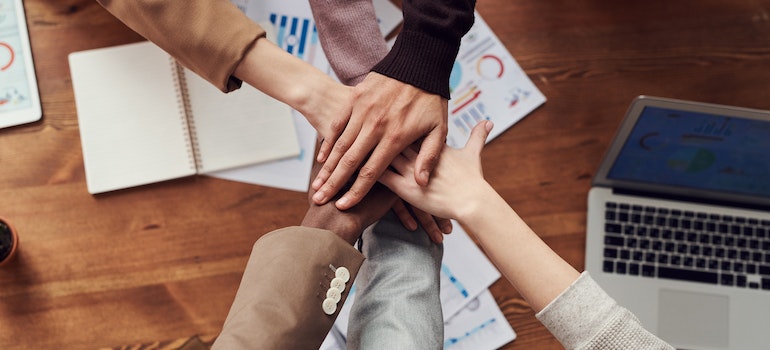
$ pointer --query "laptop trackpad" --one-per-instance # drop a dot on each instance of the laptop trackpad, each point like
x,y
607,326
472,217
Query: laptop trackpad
x,y
693,319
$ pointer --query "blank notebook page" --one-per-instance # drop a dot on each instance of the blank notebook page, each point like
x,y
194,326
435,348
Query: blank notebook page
x,y
131,121
239,128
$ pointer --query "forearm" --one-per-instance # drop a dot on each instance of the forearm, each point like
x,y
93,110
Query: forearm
x,y
535,270
287,78
210,37
585,317
279,302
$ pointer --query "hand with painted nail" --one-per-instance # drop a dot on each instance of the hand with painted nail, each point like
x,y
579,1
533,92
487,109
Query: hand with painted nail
x,y
388,116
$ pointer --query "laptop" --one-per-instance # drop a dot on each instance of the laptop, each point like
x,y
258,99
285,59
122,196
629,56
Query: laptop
x,y
678,225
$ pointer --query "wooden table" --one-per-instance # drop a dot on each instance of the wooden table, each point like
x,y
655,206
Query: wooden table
x,y
159,264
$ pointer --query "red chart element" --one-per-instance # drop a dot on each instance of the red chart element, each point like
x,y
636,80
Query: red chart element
x,y
485,71
12,56
467,102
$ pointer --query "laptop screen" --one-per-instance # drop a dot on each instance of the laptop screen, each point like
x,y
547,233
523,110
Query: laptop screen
x,y
696,150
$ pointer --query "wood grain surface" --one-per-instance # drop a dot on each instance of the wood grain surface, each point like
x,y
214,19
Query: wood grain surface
x,y
150,267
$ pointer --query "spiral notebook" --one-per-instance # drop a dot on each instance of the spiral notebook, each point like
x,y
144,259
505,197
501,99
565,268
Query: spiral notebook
x,y
144,119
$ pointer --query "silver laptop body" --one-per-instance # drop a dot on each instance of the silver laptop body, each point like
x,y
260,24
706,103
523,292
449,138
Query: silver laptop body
x,y
678,224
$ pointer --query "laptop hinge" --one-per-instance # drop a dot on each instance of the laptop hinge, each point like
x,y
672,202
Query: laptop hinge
x,y
691,199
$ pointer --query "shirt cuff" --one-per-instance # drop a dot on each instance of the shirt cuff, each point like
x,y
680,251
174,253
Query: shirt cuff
x,y
420,60
579,312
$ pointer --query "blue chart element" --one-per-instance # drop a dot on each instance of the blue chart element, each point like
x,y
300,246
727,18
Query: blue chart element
x,y
454,280
456,76
452,341
298,36
469,118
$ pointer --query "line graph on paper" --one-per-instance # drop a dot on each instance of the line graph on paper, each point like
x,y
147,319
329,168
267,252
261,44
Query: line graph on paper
x,y
469,334
451,287
479,325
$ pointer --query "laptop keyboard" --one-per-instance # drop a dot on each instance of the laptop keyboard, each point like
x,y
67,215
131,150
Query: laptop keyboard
x,y
687,246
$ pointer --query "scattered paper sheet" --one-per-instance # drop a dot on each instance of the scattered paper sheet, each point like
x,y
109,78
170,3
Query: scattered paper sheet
x,y
465,271
479,325
487,83
333,341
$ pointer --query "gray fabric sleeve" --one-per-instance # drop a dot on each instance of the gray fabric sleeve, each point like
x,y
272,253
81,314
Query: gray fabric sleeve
x,y
585,317
397,303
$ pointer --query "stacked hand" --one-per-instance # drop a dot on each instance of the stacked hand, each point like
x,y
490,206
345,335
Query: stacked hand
x,y
387,117
456,183
349,224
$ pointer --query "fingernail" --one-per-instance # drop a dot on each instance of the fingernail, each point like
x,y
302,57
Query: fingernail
x,y
424,175
320,157
319,197
317,184
343,202
489,125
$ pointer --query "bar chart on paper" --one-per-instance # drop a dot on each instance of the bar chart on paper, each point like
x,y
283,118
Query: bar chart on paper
x,y
487,83
297,35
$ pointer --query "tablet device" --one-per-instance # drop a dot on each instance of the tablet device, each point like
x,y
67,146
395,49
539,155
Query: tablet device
x,y
19,97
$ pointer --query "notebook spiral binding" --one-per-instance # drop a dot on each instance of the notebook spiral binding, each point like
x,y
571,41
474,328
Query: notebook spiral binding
x,y
188,122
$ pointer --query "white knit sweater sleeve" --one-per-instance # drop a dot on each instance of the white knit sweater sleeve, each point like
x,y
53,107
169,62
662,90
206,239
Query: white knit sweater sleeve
x,y
585,317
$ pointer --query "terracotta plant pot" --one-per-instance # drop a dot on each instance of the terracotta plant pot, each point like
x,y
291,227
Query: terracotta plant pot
x,y
9,242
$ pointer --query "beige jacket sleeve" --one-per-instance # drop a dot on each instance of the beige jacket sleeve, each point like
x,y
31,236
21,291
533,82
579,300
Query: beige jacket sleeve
x,y
210,37
279,304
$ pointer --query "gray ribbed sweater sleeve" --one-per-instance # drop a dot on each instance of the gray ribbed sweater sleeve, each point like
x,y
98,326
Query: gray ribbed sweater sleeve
x,y
585,317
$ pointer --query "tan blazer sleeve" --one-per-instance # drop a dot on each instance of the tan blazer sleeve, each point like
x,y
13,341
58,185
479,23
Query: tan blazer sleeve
x,y
279,304
210,37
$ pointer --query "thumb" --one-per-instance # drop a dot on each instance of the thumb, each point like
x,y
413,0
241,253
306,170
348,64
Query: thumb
x,y
479,136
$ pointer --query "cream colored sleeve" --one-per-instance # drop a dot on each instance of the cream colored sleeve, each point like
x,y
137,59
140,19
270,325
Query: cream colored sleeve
x,y
210,37
585,317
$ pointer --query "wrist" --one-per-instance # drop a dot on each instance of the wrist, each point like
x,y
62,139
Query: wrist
x,y
421,60
342,227
477,204
297,82
314,94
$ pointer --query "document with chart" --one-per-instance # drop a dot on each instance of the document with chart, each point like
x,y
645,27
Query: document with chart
x,y
487,84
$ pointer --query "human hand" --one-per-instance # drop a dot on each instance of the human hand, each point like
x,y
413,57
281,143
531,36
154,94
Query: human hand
x,y
328,111
325,103
434,227
387,117
457,184
349,224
